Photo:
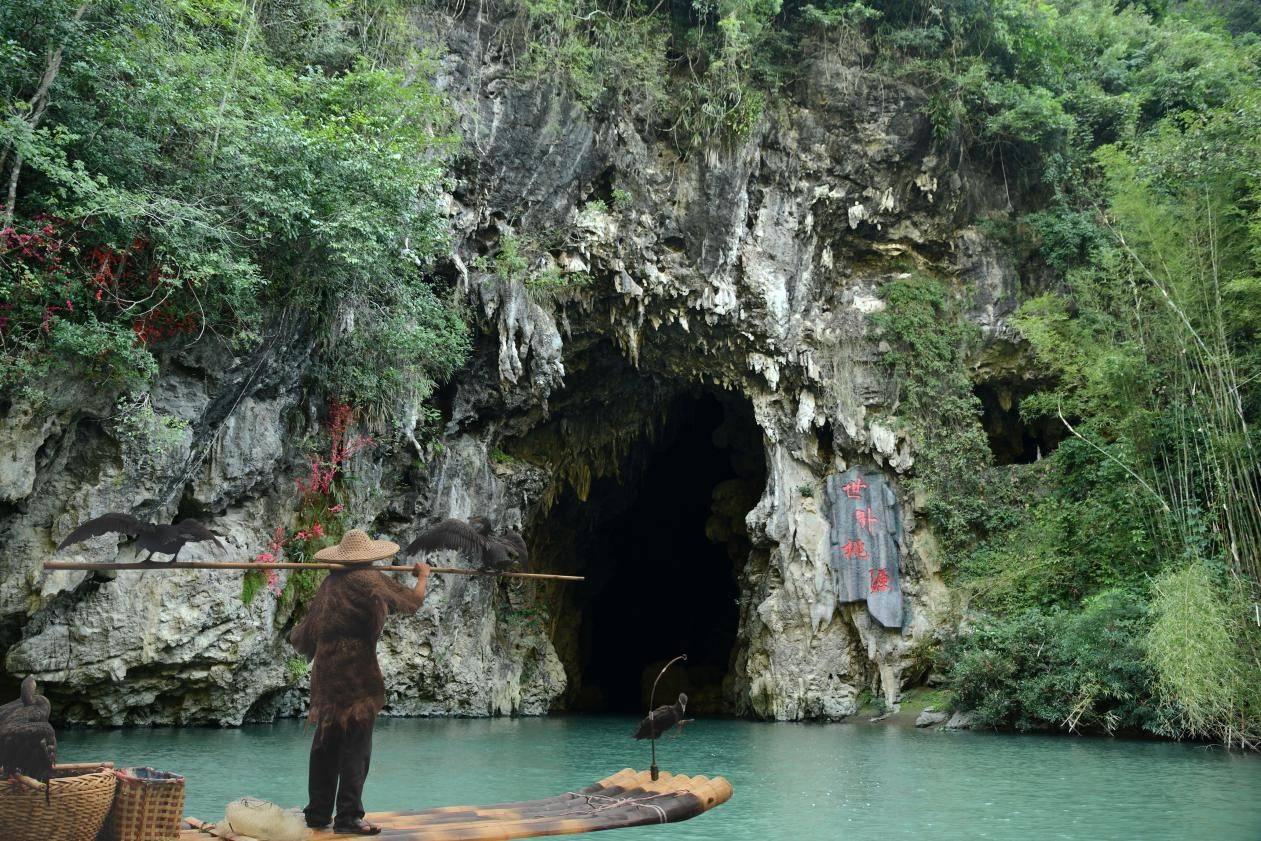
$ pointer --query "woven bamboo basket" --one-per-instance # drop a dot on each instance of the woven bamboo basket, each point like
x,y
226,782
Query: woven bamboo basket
x,y
66,808
147,806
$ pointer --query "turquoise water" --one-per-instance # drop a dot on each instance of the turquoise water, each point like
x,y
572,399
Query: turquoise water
x,y
851,782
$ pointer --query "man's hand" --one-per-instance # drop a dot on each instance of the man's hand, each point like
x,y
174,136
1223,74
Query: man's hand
x,y
422,576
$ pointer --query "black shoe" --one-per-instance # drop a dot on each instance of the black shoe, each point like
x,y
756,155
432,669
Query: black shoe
x,y
357,827
317,824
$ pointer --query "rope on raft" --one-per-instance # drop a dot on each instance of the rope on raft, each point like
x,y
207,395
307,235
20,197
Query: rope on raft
x,y
614,802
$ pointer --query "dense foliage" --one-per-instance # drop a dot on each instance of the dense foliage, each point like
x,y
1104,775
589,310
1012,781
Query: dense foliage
x,y
1082,668
929,344
1154,341
181,169
1113,585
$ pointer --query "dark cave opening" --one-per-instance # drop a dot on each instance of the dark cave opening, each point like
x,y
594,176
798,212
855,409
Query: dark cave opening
x,y
661,548
1013,438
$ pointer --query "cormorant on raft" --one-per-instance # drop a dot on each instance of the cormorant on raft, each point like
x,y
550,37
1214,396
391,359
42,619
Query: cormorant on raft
x,y
490,553
154,537
661,719
28,743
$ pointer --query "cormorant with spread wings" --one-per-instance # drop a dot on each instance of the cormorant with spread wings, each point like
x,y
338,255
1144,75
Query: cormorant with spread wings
x,y
153,537
489,552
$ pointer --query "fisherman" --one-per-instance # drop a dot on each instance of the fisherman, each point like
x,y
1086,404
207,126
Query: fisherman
x,y
340,633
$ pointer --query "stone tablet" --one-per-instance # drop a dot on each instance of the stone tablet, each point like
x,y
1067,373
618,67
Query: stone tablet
x,y
866,542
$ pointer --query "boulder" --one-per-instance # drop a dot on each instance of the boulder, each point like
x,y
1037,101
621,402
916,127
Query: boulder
x,y
931,718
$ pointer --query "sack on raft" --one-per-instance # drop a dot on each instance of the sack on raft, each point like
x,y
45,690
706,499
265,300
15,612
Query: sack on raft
x,y
264,821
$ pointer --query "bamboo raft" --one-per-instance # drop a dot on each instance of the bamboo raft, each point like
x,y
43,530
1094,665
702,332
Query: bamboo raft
x,y
628,798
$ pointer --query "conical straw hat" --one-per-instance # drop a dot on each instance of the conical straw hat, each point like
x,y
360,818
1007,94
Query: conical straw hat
x,y
357,548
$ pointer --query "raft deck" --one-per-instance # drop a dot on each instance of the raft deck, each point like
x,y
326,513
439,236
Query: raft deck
x,y
628,798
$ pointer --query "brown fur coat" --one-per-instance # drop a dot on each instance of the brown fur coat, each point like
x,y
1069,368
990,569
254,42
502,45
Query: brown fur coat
x,y
340,633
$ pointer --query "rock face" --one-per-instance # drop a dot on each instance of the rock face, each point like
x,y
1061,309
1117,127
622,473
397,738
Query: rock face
x,y
931,718
748,271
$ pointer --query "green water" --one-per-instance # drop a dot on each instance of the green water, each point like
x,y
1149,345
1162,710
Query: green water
x,y
792,781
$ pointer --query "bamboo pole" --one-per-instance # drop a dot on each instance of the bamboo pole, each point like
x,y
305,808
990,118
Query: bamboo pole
x,y
82,766
247,565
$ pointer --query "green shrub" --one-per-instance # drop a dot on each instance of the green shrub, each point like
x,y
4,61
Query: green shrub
x,y
146,436
108,353
1059,669
499,456
1203,644
928,344
252,583
397,351
296,668
591,211
511,261
602,53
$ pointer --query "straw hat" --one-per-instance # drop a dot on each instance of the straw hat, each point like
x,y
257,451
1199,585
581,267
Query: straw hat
x,y
357,548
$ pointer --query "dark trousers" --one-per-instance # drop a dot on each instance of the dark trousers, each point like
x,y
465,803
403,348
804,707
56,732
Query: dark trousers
x,y
338,755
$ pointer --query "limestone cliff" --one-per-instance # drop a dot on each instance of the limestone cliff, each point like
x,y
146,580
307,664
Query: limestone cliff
x,y
749,271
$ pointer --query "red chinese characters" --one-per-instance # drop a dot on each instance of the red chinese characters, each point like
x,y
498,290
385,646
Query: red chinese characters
x,y
855,549
879,580
854,488
865,518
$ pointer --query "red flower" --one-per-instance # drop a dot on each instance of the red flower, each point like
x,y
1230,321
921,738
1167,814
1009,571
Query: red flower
x,y
340,418
318,481
271,575
273,582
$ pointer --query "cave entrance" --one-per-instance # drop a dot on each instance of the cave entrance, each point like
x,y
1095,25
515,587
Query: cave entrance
x,y
1014,439
662,546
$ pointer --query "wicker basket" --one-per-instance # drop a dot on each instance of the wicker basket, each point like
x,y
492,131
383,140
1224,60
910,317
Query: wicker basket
x,y
148,805
68,808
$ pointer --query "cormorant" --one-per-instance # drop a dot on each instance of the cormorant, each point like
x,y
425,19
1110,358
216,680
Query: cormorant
x,y
154,537
489,553
661,719
28,743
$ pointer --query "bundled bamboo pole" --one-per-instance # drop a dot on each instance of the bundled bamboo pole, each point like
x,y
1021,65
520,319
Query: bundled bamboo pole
x,y
249,565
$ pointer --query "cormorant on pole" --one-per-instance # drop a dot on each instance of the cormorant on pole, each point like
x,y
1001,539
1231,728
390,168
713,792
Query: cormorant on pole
x,y
661,719
157,538
489,552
